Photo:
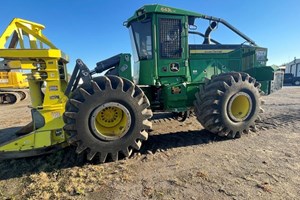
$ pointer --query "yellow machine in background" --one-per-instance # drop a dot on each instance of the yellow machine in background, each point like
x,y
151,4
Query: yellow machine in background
x,y
13,87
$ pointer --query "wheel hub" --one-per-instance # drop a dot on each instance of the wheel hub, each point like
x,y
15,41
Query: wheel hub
x,y
110,121
109,116
240,106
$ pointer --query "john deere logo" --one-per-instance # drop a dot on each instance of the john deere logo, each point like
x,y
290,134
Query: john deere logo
x,y
174,67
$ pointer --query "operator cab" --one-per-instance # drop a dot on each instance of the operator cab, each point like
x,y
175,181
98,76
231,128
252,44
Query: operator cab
x,y
162,53
158,42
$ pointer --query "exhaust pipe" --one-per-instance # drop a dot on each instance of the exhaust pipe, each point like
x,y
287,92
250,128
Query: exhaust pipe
x,y
212,26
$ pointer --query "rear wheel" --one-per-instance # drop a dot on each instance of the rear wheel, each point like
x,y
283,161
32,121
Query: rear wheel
x,y
229,104
108,117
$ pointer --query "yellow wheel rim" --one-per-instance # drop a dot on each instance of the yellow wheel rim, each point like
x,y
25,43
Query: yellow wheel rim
x,y
240,106
109,116
110,121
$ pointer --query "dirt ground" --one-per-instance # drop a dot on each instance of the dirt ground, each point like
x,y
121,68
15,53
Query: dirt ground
x,y
179,161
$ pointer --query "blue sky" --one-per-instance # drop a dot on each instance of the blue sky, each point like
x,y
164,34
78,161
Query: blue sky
x,y
93,30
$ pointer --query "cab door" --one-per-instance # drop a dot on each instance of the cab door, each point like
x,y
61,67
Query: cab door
x,y
172,45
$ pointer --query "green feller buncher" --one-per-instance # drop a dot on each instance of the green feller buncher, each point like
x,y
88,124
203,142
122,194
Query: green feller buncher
x,y
109,116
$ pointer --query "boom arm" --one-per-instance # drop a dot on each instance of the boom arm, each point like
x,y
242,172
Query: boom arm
x,y
121,63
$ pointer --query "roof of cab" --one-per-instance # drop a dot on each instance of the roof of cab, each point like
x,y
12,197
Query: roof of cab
x,y
156,8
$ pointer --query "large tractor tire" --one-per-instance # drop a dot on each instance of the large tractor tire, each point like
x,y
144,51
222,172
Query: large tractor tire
x,y
229,104
107,117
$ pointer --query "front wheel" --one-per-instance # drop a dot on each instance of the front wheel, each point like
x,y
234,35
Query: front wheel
x,y
229,104
107,117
